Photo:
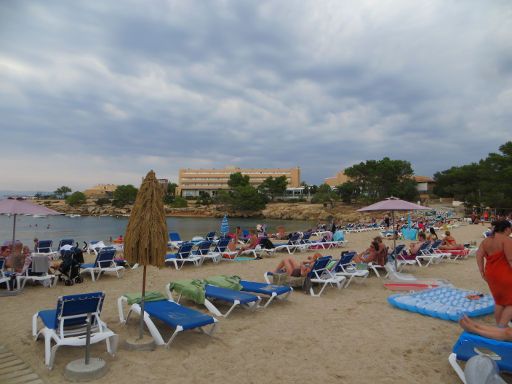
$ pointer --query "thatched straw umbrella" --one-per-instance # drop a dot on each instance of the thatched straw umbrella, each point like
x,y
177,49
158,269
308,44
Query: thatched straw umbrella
x,y
146,235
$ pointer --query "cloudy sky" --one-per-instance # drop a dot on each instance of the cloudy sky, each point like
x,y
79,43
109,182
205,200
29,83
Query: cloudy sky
x,y
102,91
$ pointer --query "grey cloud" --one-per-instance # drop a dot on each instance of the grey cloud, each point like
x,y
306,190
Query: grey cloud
x,y
320,85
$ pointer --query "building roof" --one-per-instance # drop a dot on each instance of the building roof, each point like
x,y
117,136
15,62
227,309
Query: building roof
x,y
423,179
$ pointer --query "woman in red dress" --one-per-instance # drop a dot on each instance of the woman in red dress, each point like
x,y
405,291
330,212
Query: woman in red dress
x,y
494,259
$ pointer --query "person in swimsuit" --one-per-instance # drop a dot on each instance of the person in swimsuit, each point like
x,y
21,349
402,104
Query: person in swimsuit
x,y
489,331
449,242
494,260
293,268
370,254
252,243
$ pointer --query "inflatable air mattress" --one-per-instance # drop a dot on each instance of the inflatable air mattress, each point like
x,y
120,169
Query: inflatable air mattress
x,y
446,303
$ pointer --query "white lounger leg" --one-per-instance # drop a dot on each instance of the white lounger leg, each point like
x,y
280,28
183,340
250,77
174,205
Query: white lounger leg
x,y
153,330
452,359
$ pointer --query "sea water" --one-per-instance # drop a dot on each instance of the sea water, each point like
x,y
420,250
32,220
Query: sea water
x,y
87,228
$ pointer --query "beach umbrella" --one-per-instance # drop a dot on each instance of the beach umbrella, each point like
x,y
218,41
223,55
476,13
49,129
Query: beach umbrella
x,y
145,241
224,226
20,206
393,204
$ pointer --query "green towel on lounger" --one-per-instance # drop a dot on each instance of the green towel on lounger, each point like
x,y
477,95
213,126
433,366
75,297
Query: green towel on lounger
x,y
149,296
223,281
189,289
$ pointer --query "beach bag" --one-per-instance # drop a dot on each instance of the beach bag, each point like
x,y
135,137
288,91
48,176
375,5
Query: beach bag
x,y
280,279
285,279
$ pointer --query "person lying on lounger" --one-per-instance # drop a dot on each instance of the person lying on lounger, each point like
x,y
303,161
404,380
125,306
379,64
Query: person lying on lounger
x,y
449,242
415,247
293,268
489,331
374,253
252,243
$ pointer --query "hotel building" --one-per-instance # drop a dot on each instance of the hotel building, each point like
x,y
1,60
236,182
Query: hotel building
x,y
193,181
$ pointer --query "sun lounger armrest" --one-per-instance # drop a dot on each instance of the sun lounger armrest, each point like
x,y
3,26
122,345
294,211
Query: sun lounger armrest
x,y
120,302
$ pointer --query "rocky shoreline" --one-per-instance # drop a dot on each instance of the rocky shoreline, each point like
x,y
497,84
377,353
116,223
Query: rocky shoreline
x,y
282,211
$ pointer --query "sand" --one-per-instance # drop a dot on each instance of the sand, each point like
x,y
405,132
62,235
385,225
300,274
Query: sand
x,y
347,336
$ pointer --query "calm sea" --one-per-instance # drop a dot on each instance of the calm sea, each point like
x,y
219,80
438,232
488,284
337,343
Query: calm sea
x,y
103,228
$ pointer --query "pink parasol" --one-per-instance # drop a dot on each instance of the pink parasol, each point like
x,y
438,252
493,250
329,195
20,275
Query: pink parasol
x,y
20,206
393,204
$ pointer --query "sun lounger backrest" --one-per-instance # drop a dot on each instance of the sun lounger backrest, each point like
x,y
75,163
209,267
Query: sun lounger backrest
x,y
44,246
344,260
397,251
221,245
436,244
2,263
105,257
319,266
294,238
73,309
210,235
66,242
424,247
174,236
203,247
185,249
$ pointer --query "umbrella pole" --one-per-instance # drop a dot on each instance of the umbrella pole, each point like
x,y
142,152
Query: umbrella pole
x,y
141,327
14,232
394,239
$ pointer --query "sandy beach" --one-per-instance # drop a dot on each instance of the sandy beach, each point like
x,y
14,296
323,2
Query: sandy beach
x,y
347,336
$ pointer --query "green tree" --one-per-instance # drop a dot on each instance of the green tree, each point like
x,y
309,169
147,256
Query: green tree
x,y
124,194
76,198
102,201
378,179
488,182
312,189
247,198
348,192
62,192
238,180
273,187
179,202
204,198
324,194
171,189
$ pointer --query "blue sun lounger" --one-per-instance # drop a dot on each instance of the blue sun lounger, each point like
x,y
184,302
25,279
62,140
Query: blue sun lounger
x,y
170,313
269,291
229,296
67,324
469,345
273,291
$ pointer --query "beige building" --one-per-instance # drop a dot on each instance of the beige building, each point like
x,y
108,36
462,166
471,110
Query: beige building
x,y
425,186
339,179
100,190
192,181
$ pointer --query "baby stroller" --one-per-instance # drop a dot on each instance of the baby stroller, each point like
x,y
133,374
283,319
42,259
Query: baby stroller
x,y
70,267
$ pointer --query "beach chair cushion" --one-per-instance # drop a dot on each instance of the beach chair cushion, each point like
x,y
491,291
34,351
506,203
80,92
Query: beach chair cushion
x,y
264,288
177,315
446,303
229,295
468,344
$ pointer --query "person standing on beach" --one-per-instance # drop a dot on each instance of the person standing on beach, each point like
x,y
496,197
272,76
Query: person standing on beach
x,y
494,260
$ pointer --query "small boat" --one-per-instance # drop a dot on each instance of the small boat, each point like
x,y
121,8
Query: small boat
x,y
39,216
74,215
